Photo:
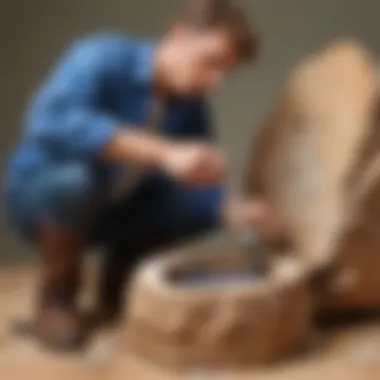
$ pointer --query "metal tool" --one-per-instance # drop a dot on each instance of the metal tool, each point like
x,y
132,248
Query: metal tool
x,y
256,254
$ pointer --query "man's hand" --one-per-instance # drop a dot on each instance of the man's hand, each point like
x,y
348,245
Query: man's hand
x,y
195,164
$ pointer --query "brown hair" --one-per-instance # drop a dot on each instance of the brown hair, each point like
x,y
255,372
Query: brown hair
x,y
226,16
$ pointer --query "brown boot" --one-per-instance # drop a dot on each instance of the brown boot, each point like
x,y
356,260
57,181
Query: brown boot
x,y
111,291
115,274
58,325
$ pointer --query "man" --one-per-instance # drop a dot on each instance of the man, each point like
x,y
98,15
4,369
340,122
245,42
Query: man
x,y
94,166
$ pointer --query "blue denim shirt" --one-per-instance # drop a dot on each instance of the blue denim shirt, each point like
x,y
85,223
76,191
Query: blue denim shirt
x,y
100,84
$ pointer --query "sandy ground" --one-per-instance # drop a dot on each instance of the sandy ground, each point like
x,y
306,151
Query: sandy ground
x,y
347,353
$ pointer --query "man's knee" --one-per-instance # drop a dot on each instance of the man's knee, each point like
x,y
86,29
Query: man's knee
x,y
177,210
185,222
193,213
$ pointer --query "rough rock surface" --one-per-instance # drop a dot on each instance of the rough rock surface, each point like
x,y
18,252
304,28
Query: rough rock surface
x,y
242,323
317,162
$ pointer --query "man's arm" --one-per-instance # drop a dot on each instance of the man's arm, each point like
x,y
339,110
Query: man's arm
x,y
140,148
66,118
68,121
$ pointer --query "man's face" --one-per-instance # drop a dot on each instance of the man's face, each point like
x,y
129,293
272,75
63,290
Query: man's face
x,y
200,60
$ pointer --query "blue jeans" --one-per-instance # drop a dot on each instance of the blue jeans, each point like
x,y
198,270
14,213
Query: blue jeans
x,y
161,211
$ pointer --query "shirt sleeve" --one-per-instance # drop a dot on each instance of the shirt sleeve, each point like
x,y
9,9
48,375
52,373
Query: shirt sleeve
x,y
66,117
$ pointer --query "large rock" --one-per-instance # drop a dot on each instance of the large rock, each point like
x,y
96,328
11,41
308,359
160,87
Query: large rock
x,y
316,162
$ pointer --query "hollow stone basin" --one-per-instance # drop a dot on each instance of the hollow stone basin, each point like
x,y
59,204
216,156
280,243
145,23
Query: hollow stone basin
x,y
251,264
214,310
202,277
214,274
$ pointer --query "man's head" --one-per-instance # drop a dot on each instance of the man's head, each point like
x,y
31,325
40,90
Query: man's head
x,y
208,40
